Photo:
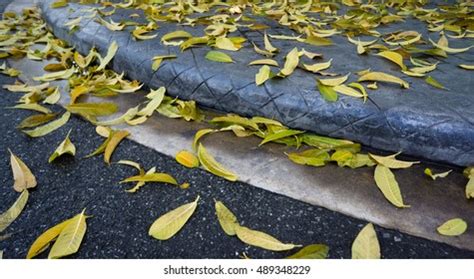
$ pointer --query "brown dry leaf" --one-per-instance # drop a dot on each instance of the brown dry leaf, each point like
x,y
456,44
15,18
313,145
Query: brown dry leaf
x,y
24,178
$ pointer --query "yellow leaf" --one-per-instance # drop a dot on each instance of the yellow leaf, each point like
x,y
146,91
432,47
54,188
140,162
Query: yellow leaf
x,y
199,134
379,76
211,165
70,238
171,222
449,49
466,66
187,159
92,109
48,128
263,75
110,55
366,245
433,176
226,218
66,147
453,227
35,120
32,106
261,239
56,75
334,81
346,90
24,178
313,251
112,25
391,162
470,188
268,44
393,56
433,82
291,62
269,62
315,68
44,240
7,217
387,184
178,34
405,43
116,138
218,56
139,32
152,177
226,44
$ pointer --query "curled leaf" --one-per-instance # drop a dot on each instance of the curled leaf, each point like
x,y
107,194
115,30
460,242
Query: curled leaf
x,y
66,147
187,159
114,141
211,165
393,56
383,77
261,239
313,251
48,128
291,62
24,178
433,176
263,75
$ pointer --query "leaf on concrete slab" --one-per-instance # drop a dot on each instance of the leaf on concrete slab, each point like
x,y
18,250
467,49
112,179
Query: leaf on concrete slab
x,y
433,82
112,50
383,77
264,73
388,185
453,227
291,62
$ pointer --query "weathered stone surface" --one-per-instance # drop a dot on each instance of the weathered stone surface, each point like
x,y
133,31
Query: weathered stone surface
x,y
421,121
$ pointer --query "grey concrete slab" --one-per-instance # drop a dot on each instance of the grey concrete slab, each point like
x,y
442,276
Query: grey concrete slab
x,y
352,192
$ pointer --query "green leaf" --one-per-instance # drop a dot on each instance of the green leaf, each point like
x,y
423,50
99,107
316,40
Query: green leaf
x,y
433,176
210,164
453,227
7,217
226,218
70,238
313,251
328,92
171,223
261,239
391,162
366,244
33,106
433,82
231,119
281,134
310,157
387,184
48,128
66,147
218,56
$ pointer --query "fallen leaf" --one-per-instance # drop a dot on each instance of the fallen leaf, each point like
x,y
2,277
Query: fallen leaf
x,y
393,56
291,62
225,43
114,141
388,185
311,157
44,240
449,49
7,217
178,34
261,239
187,159
70,238
24,178
226,218
281,134
453,227
433,82
383,77
313,251
171,222
93,109
328,92
433,176
263,75
391,162
48,128
366,244
466,66
66,147
152,177
36,120
210,164
333,81
269,62
218,56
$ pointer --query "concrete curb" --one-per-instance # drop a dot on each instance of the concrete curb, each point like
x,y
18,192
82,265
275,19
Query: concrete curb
x,y
422,121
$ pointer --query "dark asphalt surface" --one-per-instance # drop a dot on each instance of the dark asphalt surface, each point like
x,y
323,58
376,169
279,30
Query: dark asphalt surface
x,y
120,222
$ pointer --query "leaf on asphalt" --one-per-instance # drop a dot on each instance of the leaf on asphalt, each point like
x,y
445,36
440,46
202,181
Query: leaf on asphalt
x,y
328,92
388,185
434,176
312,251
114,141
383,77
48,128
453,227
218,56
70,238
92,109
66,147
433,82
36,120
269,62
171,222
291,62
366,245
32,106
187,159
210,164
130,163
226,218
152,177
108,57
22,175
44,240
391,162
281,134
261,239
393,56
311,157
263,75
7,217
